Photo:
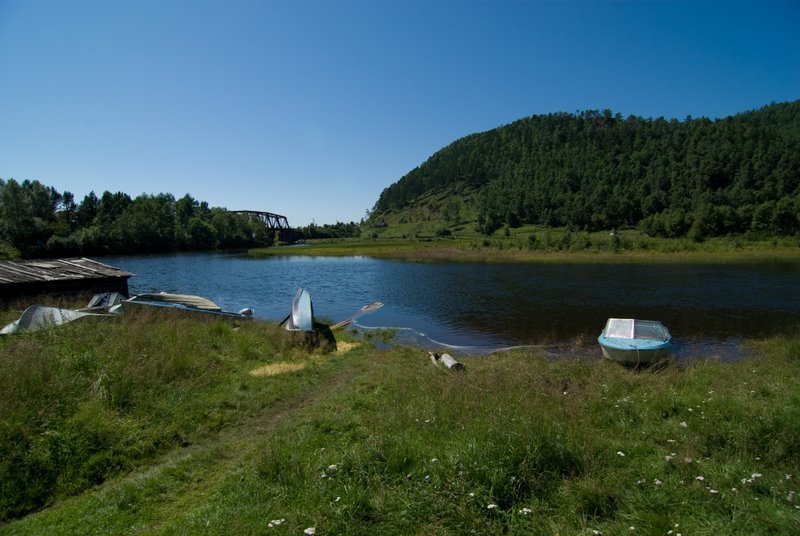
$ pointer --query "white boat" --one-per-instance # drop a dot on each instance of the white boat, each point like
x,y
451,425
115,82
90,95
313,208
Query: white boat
x,y
180,302
302,316
635,342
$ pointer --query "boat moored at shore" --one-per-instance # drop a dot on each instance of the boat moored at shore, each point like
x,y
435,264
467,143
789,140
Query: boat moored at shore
x,y
635,342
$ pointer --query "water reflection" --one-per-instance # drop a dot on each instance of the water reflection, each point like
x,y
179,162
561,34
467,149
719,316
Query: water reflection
x,y
495,305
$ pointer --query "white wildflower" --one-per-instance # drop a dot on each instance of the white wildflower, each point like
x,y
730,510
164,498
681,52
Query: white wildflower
x,y
525,511
310,531
620,453
668,458
657,482
713,491
491,506
332,468
471,494
434,460
700,478
683,423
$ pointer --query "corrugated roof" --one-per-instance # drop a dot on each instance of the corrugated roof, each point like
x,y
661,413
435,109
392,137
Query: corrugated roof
x,y
56,270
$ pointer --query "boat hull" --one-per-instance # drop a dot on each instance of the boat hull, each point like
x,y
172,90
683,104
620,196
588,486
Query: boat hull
x,y
137,306
302,317
634,352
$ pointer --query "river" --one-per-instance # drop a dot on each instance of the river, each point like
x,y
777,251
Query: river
x,y
474,307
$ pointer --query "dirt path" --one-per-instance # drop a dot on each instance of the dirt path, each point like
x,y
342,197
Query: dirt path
x,y
183,478
224,453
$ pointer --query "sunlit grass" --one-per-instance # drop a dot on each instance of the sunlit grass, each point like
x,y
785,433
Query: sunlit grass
x,y
545,245
158,425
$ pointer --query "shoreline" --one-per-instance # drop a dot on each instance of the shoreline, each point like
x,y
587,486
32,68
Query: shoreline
x,y
510,251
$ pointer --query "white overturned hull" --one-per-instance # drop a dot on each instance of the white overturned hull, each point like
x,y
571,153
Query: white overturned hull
x,y
302,317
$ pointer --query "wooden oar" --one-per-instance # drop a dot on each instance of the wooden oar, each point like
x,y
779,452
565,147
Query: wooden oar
x,y
364,310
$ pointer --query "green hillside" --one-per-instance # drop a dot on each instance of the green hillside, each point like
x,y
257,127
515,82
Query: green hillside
x,y
597,170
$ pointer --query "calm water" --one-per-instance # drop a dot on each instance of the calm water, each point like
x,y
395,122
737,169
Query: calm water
x,y
708,309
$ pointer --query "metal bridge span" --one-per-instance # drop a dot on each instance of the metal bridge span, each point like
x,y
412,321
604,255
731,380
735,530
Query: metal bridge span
x,y
273,222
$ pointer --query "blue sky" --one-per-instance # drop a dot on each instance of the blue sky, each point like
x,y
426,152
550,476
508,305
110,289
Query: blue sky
x,y
311,108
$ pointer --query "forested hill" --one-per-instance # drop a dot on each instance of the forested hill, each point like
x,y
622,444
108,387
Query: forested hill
x,y
597,170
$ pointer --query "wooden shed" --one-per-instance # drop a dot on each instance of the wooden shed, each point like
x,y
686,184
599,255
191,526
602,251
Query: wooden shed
x,y
60,276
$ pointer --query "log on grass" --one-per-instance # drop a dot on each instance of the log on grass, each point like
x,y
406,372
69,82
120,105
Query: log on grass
x,y
447,360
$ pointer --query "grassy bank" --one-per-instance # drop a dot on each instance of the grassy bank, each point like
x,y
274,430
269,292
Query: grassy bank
x,y
536,244
147,425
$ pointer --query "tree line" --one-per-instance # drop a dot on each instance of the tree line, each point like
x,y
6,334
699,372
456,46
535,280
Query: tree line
x,y
38,221
596,170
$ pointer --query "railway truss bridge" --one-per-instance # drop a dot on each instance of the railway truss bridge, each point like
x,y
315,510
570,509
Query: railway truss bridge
x,y
273,222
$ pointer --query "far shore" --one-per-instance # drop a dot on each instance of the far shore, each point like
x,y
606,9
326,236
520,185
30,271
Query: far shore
x,y
586,248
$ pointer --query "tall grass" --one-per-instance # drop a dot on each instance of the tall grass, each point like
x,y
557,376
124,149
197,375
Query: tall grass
x,y
520,445
99,397
372,442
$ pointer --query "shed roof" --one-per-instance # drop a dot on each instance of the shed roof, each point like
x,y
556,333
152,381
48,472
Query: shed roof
x,y
52,270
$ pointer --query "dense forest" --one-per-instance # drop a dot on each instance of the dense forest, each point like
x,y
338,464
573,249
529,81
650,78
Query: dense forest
x,y
597,170
38,221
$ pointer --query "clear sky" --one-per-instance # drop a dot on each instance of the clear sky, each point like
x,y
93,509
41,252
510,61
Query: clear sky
x,y
310,108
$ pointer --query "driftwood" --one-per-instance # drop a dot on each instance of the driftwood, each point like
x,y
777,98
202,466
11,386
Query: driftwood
x,y
447,360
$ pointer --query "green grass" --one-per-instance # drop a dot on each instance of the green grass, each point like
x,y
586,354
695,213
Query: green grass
x,y
539,244
147,426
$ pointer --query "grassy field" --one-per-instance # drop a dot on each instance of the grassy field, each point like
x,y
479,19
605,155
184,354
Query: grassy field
x,y
160,425
537,244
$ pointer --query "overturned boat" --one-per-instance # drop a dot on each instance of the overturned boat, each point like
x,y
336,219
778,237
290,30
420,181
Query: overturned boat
x,y
181,302
302,315
633,342
38,317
